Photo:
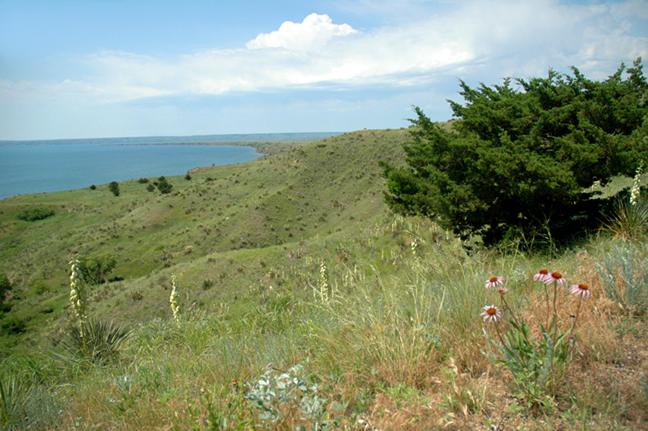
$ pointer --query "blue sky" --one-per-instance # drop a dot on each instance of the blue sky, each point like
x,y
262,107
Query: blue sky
x,y
111,68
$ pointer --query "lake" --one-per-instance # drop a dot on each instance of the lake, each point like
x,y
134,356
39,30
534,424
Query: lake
x,y
26,169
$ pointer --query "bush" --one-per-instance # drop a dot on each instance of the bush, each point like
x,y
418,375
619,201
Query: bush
x,y
5,285
150,188
101,341
624,274
517,163
143,180
163,185
93,187
13,326
187,177
34,214
114,188
96,267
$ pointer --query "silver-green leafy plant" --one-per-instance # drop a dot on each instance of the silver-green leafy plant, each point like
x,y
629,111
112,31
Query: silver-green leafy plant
x,y
624,274
279,395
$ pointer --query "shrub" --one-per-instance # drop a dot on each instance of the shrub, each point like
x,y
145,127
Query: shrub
x,y
34,214
625,276
517,163
93,187
187,177
164,186
5,285
99,341
150,188
13,326
26,406
114,188
143,180
96,267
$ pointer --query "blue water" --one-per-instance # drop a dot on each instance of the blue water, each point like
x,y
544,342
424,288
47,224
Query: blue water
x,y
46,168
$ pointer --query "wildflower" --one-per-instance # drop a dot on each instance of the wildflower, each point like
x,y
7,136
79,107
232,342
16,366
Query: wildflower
x,y
502,290
541,275
175,306
555,277
494,282
581,290
635,191
491,313
78,291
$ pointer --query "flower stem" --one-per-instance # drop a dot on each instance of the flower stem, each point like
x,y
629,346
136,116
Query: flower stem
x,y
572,340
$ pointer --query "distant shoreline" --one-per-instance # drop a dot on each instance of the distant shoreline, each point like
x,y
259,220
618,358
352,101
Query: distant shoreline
x,y
230,139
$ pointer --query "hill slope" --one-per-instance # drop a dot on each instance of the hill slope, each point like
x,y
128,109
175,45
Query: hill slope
x,y
226,230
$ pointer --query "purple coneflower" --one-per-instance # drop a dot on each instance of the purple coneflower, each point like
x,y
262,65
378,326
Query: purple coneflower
x,y
491,314
502,290
494,283
555,277
581,290
541,275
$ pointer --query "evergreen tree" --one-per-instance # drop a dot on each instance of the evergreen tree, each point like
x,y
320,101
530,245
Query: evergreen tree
x,y
517,163
164,186
114,188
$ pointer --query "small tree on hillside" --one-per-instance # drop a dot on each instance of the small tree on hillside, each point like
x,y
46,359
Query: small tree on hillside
x,y
518,163
114,188
96,267
164,186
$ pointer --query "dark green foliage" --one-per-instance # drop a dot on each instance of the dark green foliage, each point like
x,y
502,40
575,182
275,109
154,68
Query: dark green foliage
x,y
95,268
164,186
13,326
102,340
114,188
187,177
93,187
150,188
517,162
34,214
5,285
143,180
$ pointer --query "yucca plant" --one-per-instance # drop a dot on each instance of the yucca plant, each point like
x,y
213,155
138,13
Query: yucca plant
x,y
25,406
99,341
629,219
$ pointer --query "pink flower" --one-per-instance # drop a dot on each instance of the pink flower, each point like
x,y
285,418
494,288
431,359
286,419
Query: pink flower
x,y
581,290
491,314
541,275
502,290
555,277
494,283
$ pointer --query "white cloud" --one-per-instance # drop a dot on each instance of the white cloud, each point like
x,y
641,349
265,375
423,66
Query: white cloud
x,y
314,32
484,39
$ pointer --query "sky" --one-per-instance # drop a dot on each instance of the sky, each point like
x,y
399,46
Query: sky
x,y
116,68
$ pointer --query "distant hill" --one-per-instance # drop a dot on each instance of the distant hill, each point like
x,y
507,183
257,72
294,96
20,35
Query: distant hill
x,y
182,139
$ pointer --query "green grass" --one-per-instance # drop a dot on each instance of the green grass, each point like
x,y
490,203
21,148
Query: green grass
x,y
391,337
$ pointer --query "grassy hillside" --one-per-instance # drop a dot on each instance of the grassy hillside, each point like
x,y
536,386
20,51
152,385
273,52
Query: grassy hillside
x,y
224,229
306,304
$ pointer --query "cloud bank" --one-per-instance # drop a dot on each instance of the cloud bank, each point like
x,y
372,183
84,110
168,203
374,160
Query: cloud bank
x,y
482,40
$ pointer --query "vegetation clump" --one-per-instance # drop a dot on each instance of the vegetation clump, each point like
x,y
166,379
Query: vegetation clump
x,y
35,214
518,163
163,185
114,188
